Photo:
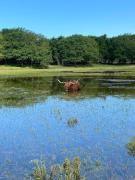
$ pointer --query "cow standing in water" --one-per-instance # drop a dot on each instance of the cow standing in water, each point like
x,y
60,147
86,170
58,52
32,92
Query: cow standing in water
x,y
71,86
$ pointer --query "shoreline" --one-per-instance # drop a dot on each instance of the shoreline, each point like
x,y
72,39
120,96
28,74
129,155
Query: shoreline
x,y
118,71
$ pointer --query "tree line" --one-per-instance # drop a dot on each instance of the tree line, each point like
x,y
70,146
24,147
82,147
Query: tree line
x,y
25,48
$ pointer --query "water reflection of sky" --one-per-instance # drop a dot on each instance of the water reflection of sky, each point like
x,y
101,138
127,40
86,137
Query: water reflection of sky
x,y
105,126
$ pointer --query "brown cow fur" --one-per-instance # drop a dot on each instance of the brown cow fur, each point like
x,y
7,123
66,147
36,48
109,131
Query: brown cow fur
x,y
72,86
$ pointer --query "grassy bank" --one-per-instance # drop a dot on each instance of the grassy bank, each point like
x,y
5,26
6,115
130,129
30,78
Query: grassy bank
x,y
95,70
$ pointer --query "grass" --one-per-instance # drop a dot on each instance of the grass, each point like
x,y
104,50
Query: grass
x,y
95,70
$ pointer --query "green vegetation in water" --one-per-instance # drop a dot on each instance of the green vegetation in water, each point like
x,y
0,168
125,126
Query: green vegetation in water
x,y
131,147
98,163
72,122
90,165
40,171
27,91
69,170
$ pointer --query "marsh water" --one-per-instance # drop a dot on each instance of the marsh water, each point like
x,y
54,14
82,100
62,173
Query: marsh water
x,y
39,120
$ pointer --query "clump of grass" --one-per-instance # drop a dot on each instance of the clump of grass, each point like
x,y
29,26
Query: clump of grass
x,y
76,168
72,122
90,165
72,169
39,171
98,163
55,173
69,170
131,147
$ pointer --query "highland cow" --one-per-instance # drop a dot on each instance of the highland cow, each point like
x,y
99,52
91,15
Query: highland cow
x,y
71,86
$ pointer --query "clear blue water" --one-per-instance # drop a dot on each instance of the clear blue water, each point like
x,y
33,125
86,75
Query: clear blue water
x,y
39,129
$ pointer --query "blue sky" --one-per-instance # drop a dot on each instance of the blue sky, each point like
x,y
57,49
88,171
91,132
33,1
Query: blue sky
x,y
66,17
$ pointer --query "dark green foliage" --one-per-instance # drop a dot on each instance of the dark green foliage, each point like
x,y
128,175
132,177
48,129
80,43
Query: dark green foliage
x,y
21,47
1,48
104,45
117,50
25,48
56,50
82,50
123,49
75,50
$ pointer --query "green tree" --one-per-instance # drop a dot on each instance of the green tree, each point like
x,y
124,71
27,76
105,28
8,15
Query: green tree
x,y
74,50
123,49
1,48
22,47
117,50
55,44
104,47
26,48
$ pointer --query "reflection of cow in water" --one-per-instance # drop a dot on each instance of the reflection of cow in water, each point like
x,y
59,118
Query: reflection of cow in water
x,y
71,86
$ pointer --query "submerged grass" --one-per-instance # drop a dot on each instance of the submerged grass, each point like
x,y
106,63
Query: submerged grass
x,y
95,70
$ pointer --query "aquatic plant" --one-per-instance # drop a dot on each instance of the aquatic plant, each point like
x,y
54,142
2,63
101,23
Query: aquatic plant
x,y
97,163
72,169
72,122
76,168
56,172
69,170
131,147
39,171
91,165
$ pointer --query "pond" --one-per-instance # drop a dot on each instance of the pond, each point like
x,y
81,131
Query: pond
x,y
39,120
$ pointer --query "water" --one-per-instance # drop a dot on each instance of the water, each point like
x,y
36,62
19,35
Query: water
x,y
35,116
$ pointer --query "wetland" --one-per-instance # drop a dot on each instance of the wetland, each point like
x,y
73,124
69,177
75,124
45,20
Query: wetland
x,y
39,120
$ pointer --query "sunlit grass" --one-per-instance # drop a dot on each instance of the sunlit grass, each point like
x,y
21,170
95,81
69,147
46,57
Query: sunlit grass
x,y
95,70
